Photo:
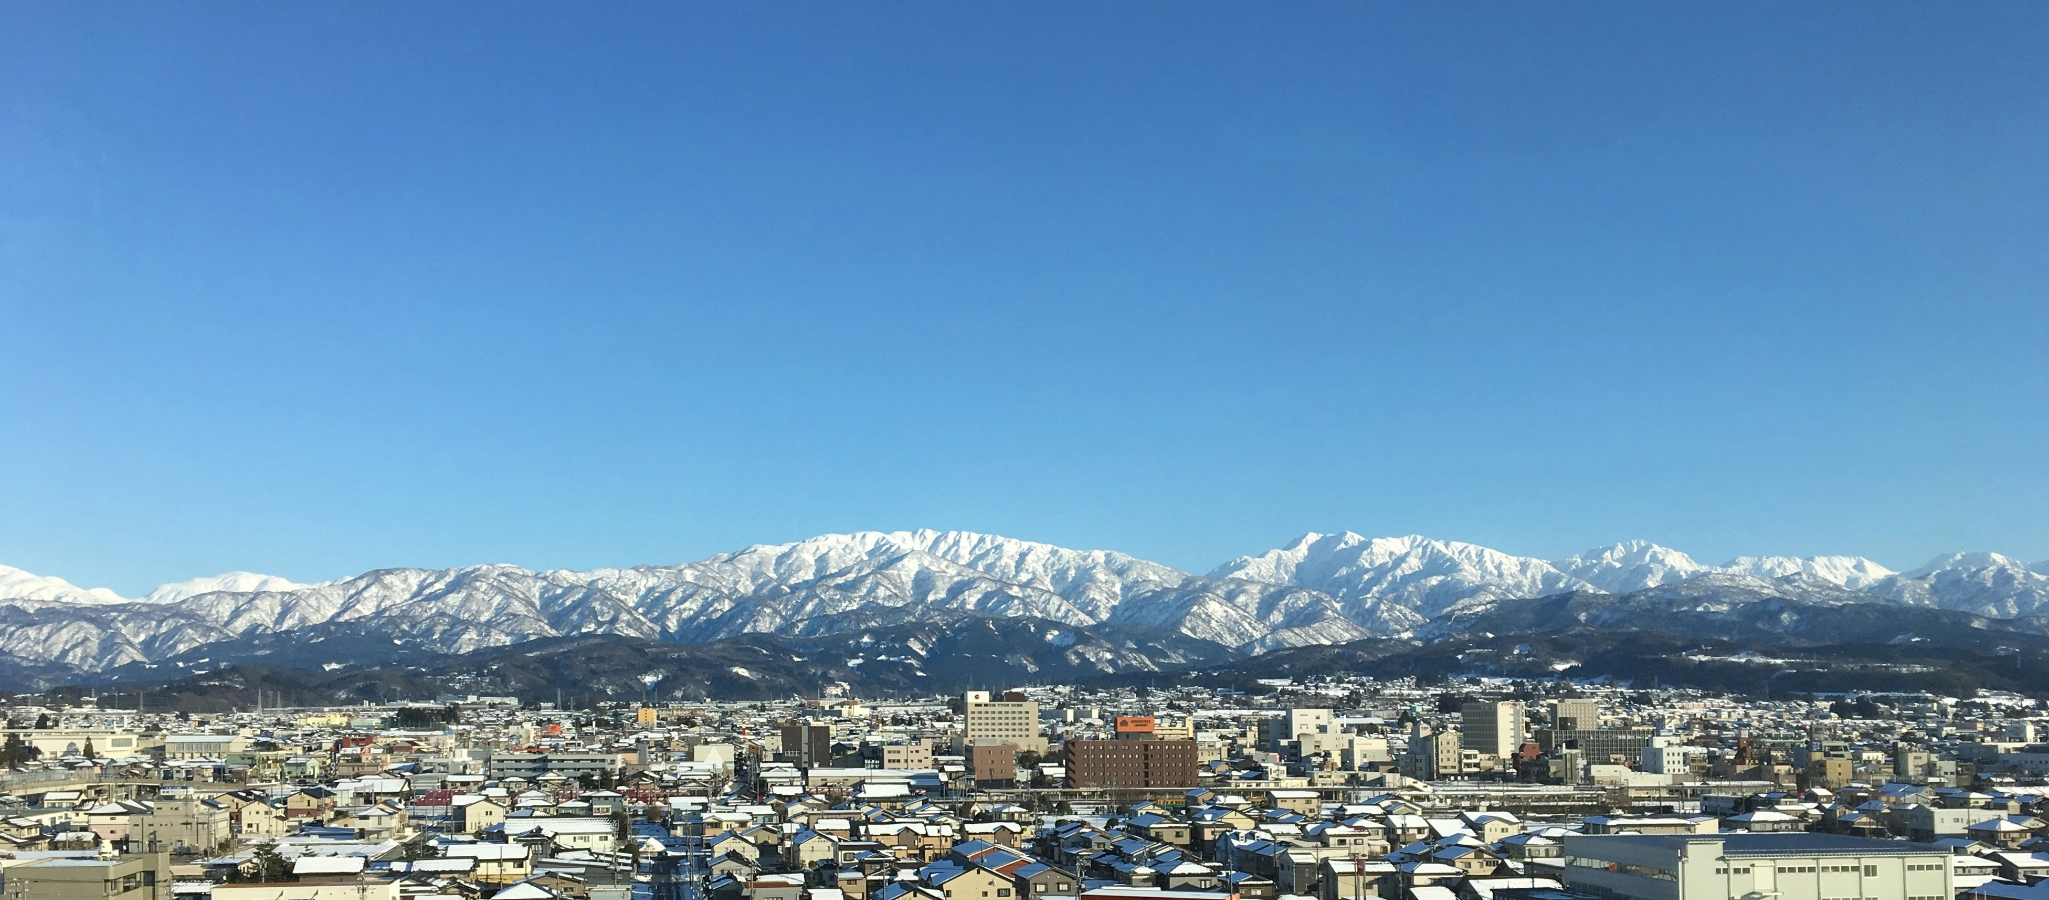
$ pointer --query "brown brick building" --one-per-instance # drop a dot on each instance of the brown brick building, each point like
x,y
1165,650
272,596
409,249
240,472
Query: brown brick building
x,y
1131,764
993,765
807,744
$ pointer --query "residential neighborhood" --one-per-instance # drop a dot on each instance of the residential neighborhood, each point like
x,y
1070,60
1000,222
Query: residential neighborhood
x,y
1327,789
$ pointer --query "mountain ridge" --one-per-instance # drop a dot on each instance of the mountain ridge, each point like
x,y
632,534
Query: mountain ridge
x,y
1318,589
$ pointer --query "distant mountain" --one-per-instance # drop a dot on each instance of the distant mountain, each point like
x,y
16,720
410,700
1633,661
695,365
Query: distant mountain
x,y
1632,566
231,582
16,584
874,579
1987,584
1853,572
1635,565
1796,610
943,651
1404,580
1319,589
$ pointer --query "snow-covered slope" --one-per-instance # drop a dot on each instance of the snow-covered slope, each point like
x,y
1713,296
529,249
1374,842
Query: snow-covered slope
x,y
1631,566
16,584
1986,584
1423,576
1853,572
237,582
868,580
1635,565
1321,588
764,588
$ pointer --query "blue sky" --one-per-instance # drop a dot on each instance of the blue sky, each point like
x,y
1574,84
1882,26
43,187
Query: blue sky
x,y
313,288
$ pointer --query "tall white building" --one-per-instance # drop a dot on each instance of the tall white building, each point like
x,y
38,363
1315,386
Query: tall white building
x,y
1662,758
991,721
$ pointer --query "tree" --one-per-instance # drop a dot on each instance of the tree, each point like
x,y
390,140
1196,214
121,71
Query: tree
x,y
88,752
17,752
42,721
266,864
417,848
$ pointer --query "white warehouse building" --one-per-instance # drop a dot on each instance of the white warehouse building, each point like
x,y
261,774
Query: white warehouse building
x,y
1787,866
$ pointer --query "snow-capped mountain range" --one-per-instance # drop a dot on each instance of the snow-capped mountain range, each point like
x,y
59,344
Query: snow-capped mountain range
x,y
1321,588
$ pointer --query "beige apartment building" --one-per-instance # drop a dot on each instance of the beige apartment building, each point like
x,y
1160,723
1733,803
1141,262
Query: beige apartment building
x,y
1012,720
141,876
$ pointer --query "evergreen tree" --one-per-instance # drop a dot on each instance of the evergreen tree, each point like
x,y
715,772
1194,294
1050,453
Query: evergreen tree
x,y
88,752
17,752
269,865
42,721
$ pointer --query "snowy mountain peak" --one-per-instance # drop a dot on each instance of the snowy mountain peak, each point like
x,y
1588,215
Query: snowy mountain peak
x,y
1631,566
238,582
1319,588
1312,556
1987,584
1423,575
16,584
1967,560
1853,572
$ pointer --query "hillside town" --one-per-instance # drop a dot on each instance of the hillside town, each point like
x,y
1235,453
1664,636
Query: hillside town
x,y
1327,789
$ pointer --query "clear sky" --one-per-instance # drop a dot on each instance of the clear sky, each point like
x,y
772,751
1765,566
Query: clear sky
x,y
313,288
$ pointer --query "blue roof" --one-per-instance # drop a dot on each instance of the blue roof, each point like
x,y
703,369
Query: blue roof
x,y
970,848
999,857
941,873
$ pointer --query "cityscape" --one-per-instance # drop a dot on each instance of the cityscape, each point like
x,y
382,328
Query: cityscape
x,y
1329,788
1105,450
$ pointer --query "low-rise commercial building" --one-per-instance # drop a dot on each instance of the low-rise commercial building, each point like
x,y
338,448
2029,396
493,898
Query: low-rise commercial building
x,y
141,876
1791,866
